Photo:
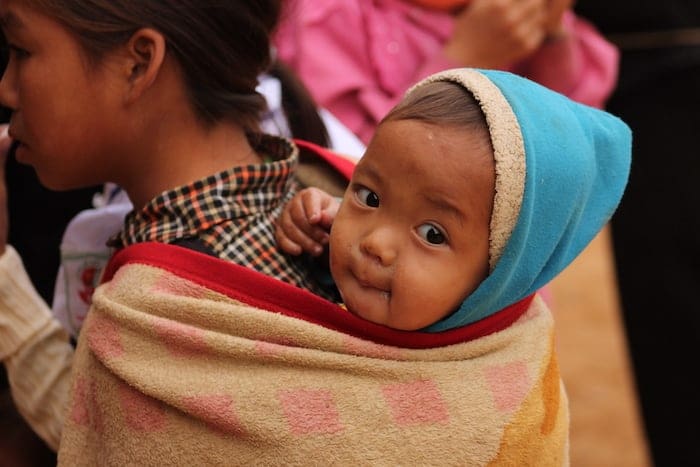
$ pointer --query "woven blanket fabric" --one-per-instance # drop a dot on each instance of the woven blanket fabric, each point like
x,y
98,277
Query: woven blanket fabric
x,y
177,365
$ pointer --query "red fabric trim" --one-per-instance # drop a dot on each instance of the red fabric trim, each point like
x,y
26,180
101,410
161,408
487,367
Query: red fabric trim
x,y
342,164
261,291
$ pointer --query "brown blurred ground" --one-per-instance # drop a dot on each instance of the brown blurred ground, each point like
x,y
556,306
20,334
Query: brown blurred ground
x,y
605,420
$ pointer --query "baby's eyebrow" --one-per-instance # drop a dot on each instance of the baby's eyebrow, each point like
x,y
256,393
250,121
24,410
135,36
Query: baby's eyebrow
x,y
448,207
369,171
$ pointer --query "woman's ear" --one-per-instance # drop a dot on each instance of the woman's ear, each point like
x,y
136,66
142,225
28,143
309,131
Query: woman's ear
x,y
145,53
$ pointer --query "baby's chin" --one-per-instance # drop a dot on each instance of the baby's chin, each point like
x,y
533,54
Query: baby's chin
x,y
348,304
352,305
399,323
362,312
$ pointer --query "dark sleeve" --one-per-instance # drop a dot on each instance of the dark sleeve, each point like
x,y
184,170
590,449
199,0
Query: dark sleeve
x,y
195,244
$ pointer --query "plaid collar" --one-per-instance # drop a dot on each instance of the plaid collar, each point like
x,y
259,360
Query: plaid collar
x,y
231,215
193,209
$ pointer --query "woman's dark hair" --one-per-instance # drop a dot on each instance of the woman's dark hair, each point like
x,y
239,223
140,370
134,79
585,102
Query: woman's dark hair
x,y
221,45
299,107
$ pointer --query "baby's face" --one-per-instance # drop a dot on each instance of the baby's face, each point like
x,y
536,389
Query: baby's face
x,y
411,239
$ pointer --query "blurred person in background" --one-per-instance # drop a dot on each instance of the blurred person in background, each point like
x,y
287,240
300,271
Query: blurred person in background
x,y
656,231
358,57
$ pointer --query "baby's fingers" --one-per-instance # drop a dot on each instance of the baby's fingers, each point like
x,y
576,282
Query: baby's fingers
x,y
312,204
293,239
286,245
305,216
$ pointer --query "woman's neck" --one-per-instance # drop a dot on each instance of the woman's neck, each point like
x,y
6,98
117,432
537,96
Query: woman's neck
x,y
162,144
182,153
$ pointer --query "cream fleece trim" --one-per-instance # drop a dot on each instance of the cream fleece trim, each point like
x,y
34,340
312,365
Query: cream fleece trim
x,y
509,153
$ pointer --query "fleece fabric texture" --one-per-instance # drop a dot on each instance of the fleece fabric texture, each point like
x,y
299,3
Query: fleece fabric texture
x,y
188,360
561,169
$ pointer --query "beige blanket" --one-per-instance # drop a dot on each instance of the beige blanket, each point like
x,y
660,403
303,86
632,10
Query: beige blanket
x,y
188,360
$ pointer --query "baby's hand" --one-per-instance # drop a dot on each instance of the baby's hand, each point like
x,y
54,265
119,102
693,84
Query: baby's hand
x,y
305,221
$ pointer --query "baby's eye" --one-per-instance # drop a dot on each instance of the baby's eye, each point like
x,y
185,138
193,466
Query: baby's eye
x,y
432,234
367,197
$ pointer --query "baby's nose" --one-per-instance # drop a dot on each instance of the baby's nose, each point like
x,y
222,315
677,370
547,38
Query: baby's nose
x,y
380,245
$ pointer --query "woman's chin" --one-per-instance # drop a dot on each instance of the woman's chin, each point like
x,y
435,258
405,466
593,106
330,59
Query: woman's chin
x,y
55,183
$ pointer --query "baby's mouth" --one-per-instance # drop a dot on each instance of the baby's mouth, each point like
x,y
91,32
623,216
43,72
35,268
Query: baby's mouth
x,y
372,280
384,293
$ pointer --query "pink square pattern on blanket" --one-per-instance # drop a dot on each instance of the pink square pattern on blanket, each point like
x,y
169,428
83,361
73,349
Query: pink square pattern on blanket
x,y
509,385
181,340
104,337
310,411
85,410
141,413
364,348
80,413
416,403
272,349
170,285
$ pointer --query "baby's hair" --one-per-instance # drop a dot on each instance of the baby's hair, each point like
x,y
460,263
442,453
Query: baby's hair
x,y
446,105
440,103
221,46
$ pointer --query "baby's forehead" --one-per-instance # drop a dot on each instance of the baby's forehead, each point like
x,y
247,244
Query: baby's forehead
x,y
462,156
431,155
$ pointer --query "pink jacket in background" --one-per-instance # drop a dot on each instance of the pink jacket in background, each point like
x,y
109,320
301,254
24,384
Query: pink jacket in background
x,y
358,57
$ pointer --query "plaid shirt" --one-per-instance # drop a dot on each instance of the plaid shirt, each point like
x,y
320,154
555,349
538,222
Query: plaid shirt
x,y
232,214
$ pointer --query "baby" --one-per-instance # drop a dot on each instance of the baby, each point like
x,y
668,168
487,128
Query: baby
x,y
461,191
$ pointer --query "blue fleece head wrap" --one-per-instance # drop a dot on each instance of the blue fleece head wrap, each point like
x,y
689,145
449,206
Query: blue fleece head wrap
x,y
561,169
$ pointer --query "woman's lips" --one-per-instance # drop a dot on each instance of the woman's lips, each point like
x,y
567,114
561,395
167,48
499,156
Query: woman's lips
x,y
12,133
16,140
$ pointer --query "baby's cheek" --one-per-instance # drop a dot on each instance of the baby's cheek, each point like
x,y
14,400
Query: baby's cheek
x,y
334,259
339,246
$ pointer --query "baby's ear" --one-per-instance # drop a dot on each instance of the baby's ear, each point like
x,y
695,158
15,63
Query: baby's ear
x,y
145,55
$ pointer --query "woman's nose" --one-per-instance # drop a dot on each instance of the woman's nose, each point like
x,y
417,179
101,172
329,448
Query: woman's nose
x,y
380,244
8,91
